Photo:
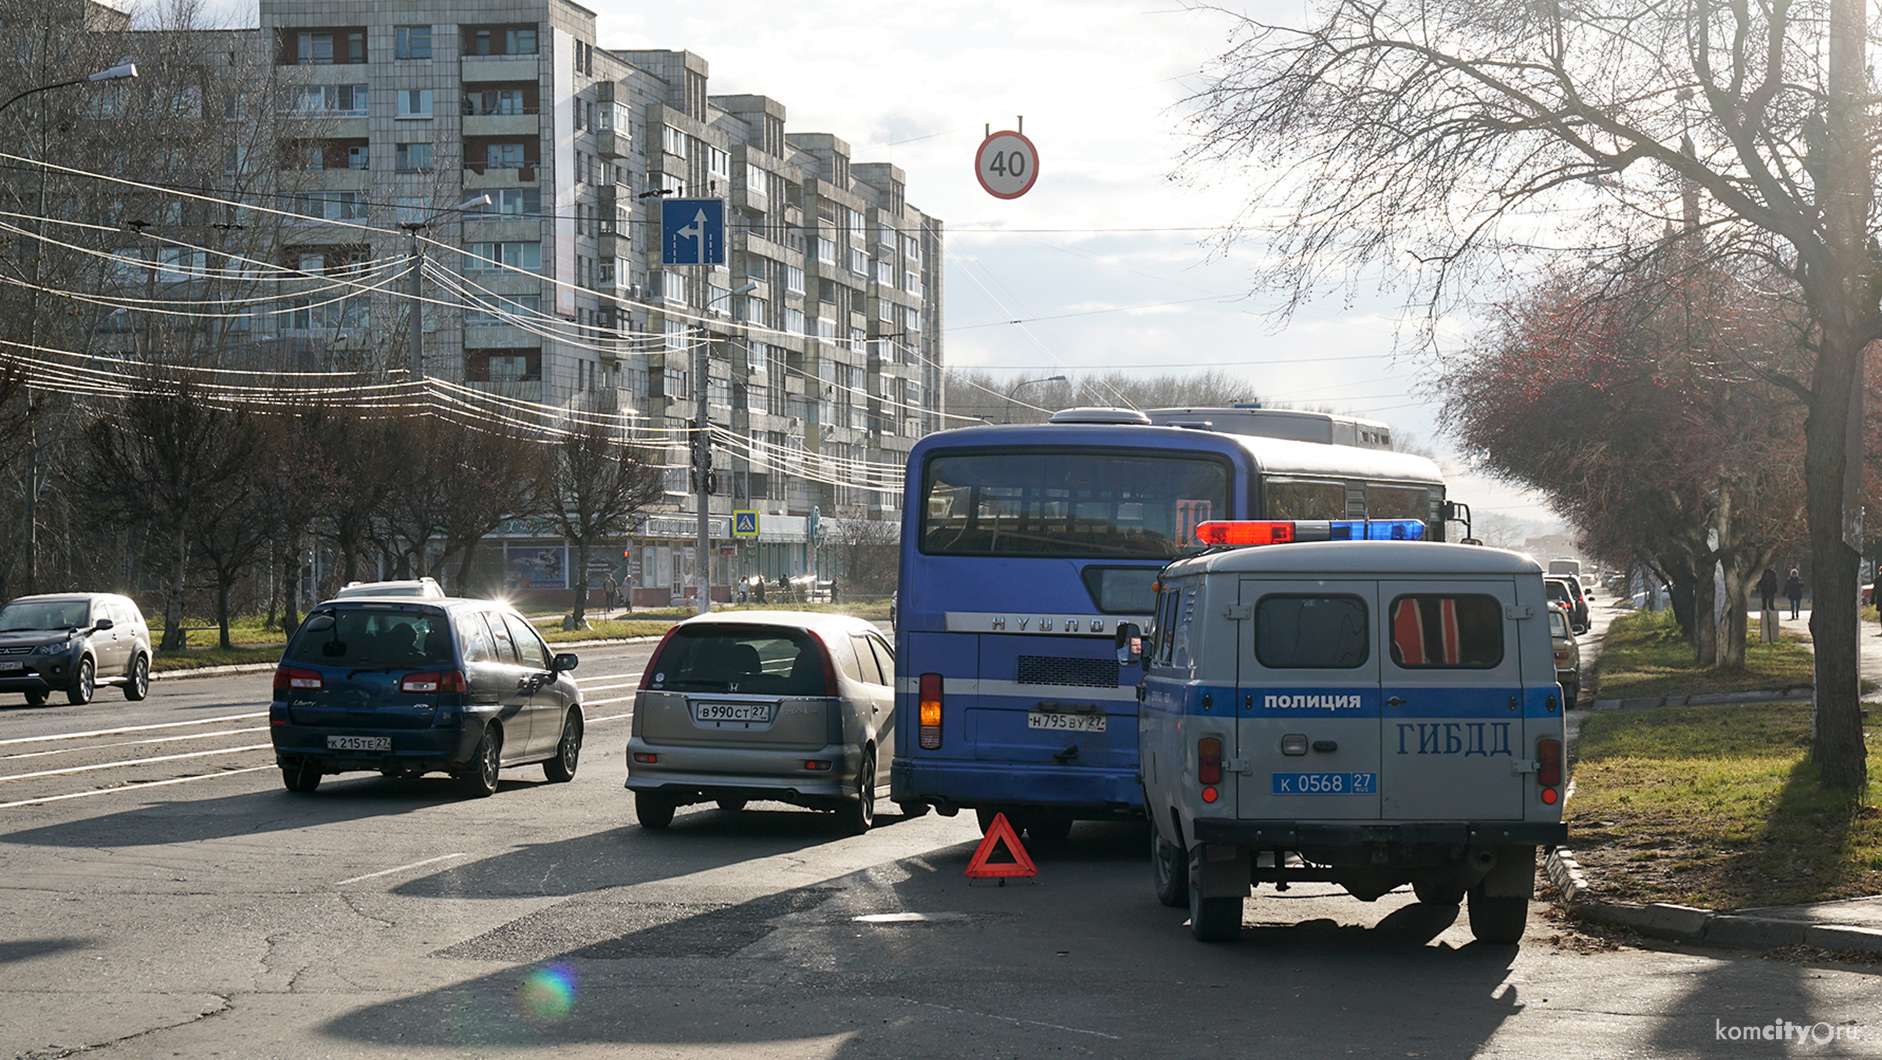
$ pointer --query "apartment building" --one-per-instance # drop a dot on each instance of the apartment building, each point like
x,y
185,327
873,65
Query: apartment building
x,y
822,329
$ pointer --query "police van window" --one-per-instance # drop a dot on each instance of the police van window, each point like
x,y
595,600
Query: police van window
x,y
1182,652
1311,632
1442,631
1161,627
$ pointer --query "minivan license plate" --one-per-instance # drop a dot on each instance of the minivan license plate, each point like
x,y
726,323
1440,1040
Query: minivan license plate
x,y
359,743
1326,783
1048,719
731,712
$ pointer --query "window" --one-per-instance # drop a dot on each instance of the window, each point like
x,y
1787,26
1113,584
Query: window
x,y
503,40
1311,632
911,282
793,279
331,100
672,141
676,336
414,102
412,42
332,206
359,156
494,257
793,321
911,320
1445,631
502,311
859,262
320,47
673,287
718,164
510,202
885,273
504,156
826,251
1303,500
414,158
754,180
757,311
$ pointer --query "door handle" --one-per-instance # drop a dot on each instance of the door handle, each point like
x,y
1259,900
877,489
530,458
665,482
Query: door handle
x,y
1394,701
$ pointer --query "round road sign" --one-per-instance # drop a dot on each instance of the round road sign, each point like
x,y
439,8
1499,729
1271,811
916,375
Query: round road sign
x,y
1007,164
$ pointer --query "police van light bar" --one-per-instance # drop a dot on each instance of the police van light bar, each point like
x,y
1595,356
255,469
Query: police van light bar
x,y
1282,531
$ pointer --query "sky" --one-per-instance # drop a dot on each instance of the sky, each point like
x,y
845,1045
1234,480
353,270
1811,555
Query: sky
x,y
1108,261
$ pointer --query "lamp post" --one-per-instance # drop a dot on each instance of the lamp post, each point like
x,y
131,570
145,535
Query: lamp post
x,y
702,458
416,320
125,68
1014,389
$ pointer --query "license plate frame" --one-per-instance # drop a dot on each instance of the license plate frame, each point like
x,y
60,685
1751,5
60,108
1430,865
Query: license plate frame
x,y
359,743
1324,783
719,713
1067,721
12,666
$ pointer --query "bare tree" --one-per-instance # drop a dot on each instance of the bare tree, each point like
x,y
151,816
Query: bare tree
x,y
598,488
867,552
1422,140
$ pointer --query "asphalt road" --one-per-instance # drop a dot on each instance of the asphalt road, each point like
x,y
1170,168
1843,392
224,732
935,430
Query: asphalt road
x,y
166,897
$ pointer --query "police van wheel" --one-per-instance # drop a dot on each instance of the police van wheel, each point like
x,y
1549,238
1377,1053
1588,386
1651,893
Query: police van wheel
x,y
1211,919
1169,867
1499,921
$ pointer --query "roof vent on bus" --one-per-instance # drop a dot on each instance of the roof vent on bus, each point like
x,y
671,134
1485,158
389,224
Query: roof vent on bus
x,y
1099,415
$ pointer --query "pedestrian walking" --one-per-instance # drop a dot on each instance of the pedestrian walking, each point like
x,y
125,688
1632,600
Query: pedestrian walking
x,y
608,589
1767,588
1875,592
1794,588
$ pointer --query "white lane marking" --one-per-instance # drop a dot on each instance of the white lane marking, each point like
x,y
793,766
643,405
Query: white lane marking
x,y
130,728
401,868
604,702
131,787
131,743
607,688
611,717
137,762
1013,1019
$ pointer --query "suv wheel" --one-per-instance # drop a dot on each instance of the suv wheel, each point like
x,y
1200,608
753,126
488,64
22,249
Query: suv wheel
x,y
137,678
300,776
1499,921
84,684
654,809
479,779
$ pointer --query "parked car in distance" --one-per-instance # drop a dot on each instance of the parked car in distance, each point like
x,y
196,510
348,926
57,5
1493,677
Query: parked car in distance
x,y
406,687
1567,656
1568,591
788,706
423,588
72,643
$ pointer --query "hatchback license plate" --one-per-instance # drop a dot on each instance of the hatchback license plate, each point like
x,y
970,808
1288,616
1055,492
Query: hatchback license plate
x,y
1326,783
359,743
746,712
1061,722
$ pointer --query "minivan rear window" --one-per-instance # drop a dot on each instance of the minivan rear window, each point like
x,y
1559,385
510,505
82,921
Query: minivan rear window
x,y
383,640
753,660
1444,631
1311,632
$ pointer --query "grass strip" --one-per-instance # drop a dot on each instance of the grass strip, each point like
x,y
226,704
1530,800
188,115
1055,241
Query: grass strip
x,y
1644,655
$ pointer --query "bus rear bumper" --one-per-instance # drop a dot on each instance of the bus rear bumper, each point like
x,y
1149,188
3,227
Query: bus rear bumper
x,y
1089,792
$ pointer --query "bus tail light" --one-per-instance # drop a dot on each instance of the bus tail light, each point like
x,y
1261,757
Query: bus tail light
x,y
928,734
1209,760
1549,768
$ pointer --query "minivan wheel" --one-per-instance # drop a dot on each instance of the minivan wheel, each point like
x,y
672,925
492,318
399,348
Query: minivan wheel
x,y
479,779
300,776
654,809
1500,920
1211,919
84,683
137,678
1169,867
859,814
568,752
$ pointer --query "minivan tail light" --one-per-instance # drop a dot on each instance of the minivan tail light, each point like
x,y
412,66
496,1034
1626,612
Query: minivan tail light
x,y
1549,762
928,736
646,676
829,666
1209,760
293,678
444,681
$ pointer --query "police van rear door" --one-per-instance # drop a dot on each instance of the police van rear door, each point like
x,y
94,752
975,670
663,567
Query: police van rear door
x,y
1452,688
1308,700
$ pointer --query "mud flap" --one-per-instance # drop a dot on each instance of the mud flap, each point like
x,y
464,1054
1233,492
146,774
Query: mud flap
x,y
1514,875
1223,871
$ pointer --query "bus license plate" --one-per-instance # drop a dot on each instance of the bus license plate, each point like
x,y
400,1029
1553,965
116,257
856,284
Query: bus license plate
x,y
732,712
1046,719
1326,783
359,743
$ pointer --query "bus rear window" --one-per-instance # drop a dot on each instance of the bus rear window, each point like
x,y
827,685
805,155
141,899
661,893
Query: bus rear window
x,y
1098,505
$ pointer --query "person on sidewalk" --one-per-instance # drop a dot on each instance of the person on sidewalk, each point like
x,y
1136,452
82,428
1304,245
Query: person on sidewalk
x,y
1794,588
1767,588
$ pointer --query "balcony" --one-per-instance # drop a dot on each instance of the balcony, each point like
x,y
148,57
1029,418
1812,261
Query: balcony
x,y
497,67
481,177
504,125
612,144
516,389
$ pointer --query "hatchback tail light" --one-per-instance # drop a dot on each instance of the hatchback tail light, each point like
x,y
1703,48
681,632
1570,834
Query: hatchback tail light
x,y
1209,760
444,681
829,666
646,676
293,678
928,735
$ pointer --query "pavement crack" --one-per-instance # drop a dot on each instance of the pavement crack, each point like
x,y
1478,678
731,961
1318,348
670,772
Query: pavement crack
x,y
58,1052
352,902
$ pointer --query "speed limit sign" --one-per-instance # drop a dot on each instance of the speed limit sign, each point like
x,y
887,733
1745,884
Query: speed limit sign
x,y
1007,164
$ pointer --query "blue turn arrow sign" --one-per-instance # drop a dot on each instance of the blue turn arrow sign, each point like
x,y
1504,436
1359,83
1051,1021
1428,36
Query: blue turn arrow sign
x,y
692,231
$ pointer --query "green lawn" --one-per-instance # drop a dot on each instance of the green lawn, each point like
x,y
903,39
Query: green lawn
x,y
1643,655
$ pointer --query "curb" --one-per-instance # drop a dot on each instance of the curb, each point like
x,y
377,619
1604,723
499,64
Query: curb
x,y
1700,927
1704,699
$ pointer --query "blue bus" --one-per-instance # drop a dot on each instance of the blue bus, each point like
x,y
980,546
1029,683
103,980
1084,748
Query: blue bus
x,y
1025,546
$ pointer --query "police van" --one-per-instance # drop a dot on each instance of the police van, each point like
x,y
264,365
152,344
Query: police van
x,y
1369,713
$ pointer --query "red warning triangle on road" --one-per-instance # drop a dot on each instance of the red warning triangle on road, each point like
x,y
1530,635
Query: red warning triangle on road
x,y
1000,832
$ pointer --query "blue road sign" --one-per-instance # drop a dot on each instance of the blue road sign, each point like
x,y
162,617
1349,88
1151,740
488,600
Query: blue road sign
x,y
744,523
692,231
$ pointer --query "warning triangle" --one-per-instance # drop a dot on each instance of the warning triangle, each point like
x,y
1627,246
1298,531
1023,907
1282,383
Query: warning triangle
x,y
1000,832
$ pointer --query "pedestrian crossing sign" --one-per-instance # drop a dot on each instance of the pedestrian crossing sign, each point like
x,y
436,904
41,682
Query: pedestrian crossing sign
x,y
745,524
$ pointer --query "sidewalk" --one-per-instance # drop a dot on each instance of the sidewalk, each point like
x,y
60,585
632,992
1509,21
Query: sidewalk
x,y
1849,926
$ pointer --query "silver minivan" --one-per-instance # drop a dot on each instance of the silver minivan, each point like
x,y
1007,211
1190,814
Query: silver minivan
x,y
789,706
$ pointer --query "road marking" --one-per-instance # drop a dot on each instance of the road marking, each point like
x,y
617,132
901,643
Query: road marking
x,y
401,868
130,728
611,717
136,762
131,743
1013,1019
603,702
130,787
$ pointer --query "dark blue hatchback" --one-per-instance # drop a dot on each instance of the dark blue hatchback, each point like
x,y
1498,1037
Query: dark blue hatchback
x,y
405,687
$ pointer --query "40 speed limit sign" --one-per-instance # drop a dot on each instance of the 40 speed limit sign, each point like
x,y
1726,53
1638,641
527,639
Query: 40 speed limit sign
x,y
1007,164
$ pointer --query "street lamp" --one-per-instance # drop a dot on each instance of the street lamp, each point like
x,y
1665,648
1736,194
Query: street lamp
x,y
417,319
125,68
702,457
1014,389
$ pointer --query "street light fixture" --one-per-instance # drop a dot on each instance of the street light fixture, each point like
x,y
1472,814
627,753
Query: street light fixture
x,y
1014,389
417,318
125,68
702,457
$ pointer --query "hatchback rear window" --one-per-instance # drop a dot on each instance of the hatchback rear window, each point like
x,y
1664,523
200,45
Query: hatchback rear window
x,y
384,640
754,660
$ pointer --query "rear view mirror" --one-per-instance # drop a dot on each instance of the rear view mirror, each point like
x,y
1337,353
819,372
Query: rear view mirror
x,y
102,624
1130,644
568,660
